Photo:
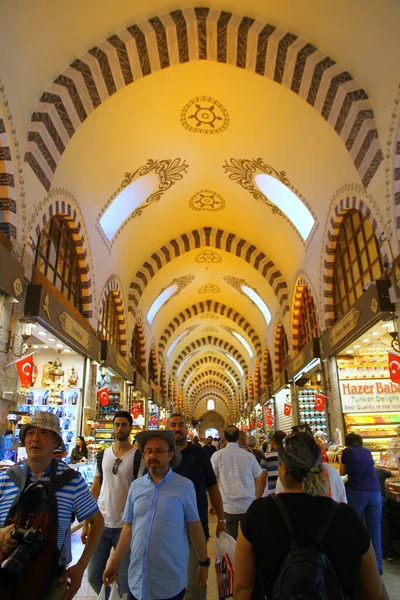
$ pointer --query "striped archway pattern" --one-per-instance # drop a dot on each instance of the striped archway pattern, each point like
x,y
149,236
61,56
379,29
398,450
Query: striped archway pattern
x,y
8,202
211,389
113,286
209,373
302,284
142,342
396,179
202,34
212,238
206,361
344,205
64,209
205,307
267,368
279,332
215,396
213,382
257,379
251,388
163,382
209,341
153,358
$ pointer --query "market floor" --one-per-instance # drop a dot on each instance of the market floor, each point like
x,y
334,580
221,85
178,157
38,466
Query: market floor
x,y
391,574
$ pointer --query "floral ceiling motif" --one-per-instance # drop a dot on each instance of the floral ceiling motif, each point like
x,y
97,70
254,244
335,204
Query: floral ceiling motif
x,y
204,114
209,288
209,315
207,200
208,256
210,330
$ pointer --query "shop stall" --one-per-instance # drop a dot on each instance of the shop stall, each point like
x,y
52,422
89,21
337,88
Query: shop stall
x,y
285,416
309,387
53,375
360,344
140,395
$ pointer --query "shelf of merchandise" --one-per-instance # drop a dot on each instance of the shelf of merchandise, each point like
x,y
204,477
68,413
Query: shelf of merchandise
x,y
104,419
317,420
376,429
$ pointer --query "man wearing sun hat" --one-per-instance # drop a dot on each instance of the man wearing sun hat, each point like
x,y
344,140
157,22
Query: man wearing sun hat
x,y
160,511
40,436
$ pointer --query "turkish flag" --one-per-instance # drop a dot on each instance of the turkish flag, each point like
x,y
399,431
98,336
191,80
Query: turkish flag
x,y
287,409
259,423
25,370
251,425
102,395
394,367
319,402
269,420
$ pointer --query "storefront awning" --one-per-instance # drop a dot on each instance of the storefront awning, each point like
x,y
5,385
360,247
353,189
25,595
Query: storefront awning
x,y
116,361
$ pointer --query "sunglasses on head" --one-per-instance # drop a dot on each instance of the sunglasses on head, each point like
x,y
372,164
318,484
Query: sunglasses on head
x,y
115,468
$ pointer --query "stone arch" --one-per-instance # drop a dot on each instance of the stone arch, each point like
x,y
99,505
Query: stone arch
x,y
250,386
279,331
217,397
202,34
163,382
257,379
142,341
211,383
301,283
208,360
210,389
154,363
204,307
209,373
8,194
113,286
334,221
212,238
267,367
70,213
212,341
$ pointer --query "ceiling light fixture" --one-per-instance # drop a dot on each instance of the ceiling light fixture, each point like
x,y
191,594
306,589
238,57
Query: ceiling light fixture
x,y
391,324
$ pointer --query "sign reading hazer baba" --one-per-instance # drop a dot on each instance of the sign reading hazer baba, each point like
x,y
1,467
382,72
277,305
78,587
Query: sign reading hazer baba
x,y
369,395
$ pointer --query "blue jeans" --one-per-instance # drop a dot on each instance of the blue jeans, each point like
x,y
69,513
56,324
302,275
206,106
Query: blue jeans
x,y
368,506
109,539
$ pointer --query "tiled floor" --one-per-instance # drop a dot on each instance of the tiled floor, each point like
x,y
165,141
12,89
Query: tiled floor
x,y
391,574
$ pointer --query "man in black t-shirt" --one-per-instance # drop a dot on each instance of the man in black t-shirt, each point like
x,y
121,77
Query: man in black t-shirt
x,y
196,466
209,449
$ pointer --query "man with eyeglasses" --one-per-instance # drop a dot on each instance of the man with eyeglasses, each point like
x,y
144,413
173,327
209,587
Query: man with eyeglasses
x,y
197,467
114,473
160,512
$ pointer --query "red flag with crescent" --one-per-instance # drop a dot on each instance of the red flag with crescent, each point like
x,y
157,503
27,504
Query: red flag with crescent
x,y
25,370
320,402
259,423
287,409
394,367
102,395
269,420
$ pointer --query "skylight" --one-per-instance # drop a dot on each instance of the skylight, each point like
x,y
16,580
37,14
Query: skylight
x,y
175,342
243,341
236,363
288,202
184,363
126,202
158,302
210,405
258,301
229,375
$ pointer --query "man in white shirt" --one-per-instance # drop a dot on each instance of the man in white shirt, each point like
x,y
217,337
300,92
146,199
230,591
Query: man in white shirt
x,y
116,468
238,474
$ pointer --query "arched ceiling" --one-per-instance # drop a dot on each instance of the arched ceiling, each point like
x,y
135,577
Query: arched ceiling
x,y
201,100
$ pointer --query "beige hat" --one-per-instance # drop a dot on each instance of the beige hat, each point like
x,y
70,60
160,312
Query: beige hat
x,y
42,420
168,436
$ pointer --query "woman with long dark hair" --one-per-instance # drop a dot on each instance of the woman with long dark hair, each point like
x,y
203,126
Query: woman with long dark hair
x,y
264,543
80,451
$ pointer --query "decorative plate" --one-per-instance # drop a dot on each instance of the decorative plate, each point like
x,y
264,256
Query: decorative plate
x,y
115,386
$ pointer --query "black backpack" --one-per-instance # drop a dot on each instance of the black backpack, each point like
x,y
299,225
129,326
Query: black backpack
x,y
306,573
35,564
137,461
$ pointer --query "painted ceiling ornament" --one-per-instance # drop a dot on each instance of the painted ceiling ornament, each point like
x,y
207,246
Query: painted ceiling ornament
x,y
181,283
209,315
210,330
169,171
208,256
237,283
207,200
204,114
209,288
243,171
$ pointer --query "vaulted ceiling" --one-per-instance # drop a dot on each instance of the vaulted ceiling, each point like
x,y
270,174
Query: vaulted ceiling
x,y
201,100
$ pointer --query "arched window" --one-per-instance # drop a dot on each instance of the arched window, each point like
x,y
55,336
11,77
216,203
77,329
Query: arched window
x,y
109,325
308,326
57,258
136,351
210,405
283,351
357,261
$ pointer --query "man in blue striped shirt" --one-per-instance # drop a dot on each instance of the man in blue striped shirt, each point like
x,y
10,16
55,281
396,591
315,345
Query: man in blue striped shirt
x,y
40,437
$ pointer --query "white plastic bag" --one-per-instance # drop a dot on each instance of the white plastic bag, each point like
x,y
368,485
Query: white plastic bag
x,y
225,544
102,595
114,593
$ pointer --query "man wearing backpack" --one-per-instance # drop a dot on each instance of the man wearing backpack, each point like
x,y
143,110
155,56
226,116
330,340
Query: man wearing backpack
x,y
117,467
40,497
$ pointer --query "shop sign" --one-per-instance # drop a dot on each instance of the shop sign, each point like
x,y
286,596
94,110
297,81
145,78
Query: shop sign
x,y
306,357
298,362
11,273
344,326
369,395
121,363
141,384
75,331
279,382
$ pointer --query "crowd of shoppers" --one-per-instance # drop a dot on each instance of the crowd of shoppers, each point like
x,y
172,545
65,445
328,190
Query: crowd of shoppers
x,y
150,531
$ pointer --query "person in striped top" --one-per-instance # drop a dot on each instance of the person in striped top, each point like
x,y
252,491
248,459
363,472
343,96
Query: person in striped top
x,y
40,437
270,462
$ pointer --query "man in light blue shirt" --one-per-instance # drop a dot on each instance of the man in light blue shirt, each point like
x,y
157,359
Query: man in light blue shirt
x,y
161,510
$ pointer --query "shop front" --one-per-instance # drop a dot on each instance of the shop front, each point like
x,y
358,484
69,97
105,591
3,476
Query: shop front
x,y
53,375
268,411
283,402
141,394
360,344
309,387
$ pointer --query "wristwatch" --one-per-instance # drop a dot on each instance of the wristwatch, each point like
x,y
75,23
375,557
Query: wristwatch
x,y
222,521
205,563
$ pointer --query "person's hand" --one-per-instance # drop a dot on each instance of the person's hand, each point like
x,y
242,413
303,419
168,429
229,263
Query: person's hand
x,y
73,578
220,528
202,576
7,544
110,573
84,532
211,511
